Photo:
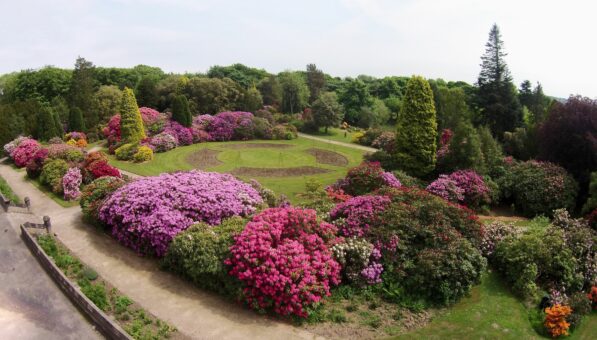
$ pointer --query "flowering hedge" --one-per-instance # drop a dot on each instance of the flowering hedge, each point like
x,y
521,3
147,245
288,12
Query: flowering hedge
x,y
283,260
10,146
146,214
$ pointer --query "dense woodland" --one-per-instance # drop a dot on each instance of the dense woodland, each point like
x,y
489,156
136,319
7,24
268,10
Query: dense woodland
x,y
527,124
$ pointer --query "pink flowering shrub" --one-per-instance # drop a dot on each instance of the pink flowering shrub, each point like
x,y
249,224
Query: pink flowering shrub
x,y
446,188
66,152
24,152
444,144
220,129
163,142
356,215
283,260
36,163
10,146
71,182
366,178
183,135
146,214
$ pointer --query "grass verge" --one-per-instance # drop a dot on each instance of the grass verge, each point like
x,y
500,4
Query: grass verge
x,y
56,198
6,190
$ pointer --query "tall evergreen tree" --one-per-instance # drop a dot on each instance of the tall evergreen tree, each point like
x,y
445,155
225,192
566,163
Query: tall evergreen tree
x,y
75,120
540,103
500,108
131,124
45,124
315,81
82,91
416,136
525,93
58,123
180,111
146,92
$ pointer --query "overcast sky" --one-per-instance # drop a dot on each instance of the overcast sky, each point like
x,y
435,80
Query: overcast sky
x,y
553,42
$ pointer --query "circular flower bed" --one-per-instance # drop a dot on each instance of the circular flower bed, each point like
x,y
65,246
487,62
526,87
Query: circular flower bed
x,y
146,214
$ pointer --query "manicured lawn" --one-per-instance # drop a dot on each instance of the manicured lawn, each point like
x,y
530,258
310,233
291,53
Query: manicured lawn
x,y
268,157
335,134
7,191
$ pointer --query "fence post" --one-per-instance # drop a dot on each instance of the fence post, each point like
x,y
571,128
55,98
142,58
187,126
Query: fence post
x,y
47,224
28,204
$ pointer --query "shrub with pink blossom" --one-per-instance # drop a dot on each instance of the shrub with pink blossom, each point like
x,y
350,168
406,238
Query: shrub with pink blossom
x,y
163,142
446,188
36,163
183,135
476,192
75,135
146,214
385,141
220,129
494,233
66,152
283,260
10,146
355,216
71,183
24,152
366,178
112,130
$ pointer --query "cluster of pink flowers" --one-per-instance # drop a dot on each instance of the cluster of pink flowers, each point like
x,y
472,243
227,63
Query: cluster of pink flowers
x,y
366,178
355,215
183,135
101,169
444,143
163,142
146,214
283,260
75,135
24,152
71,183
10,146
462,186
62,150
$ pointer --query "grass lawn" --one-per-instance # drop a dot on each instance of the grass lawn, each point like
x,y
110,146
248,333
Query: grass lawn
x,y
335,134
57,198
231,158
7,191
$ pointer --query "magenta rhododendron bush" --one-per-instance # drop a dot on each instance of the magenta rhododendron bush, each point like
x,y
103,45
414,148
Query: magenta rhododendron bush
x,y
356,215
24,152
284,262
462,186
146,214
71,183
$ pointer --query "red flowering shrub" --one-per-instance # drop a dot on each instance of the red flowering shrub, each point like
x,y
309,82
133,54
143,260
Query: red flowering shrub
x,y
593,296
283,260
101,168
36,163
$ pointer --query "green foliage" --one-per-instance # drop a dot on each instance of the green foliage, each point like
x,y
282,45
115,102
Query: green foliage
x,y
143,154
243,75
407,180
210,95
75,120
538,188
327,112
465,151
89,274
416,136
6,190
271,90
94,194
354,95
131,124
252,100
315,81
146,92
126,152
52,173
591,203
294,92
198,253
451,108
581,306
95,292
46,125
58,124
82,90
108,98
180,111
493,154
375,115
536,259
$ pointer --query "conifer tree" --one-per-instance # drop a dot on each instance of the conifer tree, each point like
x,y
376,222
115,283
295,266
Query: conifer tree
x,y
75,120
131,124
416,136
58,123
500,108
180,111
46,125
82,91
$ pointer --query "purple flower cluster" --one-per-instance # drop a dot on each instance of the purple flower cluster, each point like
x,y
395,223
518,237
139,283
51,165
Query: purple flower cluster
x,y
390,180
372,273
183,135
71,183
163,142
24,151
146,214
355,216
462,186
446,188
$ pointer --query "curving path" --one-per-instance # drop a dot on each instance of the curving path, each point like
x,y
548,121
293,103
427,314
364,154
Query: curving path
x,y
348,145
193,312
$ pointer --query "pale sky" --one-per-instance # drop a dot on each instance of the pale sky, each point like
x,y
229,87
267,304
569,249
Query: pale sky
x,y
553,42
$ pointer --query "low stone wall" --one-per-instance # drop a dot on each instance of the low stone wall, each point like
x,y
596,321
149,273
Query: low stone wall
x,y
104,324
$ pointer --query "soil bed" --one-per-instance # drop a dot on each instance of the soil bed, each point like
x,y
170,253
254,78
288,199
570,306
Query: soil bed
x,y
204,158
278,172
257,146
328,157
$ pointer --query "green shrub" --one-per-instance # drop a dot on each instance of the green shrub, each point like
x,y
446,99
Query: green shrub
x,y
538,188
591,203
408,180
126,152
284,131
539,258
581,306
131,124
89,274
198,253
52,173
93,196
143,154
96,293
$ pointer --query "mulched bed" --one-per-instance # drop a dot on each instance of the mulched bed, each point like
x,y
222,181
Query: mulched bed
x,y
204,158
257,146
278,172
328,157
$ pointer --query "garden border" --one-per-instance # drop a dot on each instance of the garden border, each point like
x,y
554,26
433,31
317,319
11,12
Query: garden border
x,y
101,321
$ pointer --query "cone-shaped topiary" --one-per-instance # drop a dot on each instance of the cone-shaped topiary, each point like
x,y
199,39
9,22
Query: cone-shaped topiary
x,y
181,112
75,120
131,124
417,129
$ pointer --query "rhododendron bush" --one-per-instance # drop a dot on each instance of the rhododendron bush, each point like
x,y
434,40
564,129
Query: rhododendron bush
x,y
283,260
462,186
24,152
366,178
71,183
146,214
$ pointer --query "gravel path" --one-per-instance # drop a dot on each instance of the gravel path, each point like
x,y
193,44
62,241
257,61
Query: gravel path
x,y
195,313
348,145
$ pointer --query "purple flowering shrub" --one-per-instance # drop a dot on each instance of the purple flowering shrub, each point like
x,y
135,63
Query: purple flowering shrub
x,y
220,129
183,135
355,216
462,186
283,260
71,183
36,163
146,214
496,232
359,260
